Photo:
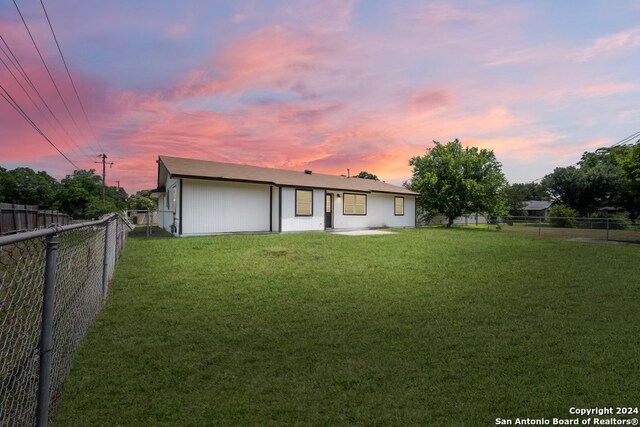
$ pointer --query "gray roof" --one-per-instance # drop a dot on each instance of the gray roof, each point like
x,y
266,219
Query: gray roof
x,y
536,205
204,169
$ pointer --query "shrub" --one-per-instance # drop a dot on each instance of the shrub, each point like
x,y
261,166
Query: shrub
x,y
562,216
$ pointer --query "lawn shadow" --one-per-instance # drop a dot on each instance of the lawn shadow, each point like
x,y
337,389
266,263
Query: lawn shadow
x,y
140,232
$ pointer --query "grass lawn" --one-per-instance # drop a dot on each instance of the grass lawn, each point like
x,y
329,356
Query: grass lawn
x,y
425,327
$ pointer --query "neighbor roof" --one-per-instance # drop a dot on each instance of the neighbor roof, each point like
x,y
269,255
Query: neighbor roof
x,y
537,205
204,169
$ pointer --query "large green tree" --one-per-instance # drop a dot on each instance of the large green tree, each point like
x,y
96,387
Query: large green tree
x,y
456,180
601,178
27,187
81,195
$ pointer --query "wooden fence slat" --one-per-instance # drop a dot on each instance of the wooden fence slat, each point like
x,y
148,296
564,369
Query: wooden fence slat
x,y
16,218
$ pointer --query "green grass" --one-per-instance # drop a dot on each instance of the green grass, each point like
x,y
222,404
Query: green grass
x,y
426,327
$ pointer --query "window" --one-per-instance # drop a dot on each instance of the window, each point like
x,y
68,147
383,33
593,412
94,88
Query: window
x,y
174,191
398,205
354,204
304,202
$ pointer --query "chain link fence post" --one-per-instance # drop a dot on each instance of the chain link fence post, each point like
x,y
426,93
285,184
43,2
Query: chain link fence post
x,y
105,263
46,331
148,223
115,255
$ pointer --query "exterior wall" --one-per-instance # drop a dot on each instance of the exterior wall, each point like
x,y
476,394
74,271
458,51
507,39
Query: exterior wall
x,y
291,222
380,212
224,207
166,215
472,219
211,207
275,208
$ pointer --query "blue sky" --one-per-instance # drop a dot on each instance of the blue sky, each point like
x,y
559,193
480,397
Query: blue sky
x,y
325,85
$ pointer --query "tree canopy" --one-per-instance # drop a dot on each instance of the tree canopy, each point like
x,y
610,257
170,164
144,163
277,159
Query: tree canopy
x,y
602,178
141,201
456,180
367,175
26,187
78,194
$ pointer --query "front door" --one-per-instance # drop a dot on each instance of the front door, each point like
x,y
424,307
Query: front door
x,y
328,211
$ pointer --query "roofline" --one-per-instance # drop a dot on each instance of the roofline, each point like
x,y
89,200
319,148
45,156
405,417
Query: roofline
x,y
250,181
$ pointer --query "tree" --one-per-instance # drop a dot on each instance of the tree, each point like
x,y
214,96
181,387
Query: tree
x,y
141,201
518,194
4,182
599,180
455,181
630,197
26,187
562,216
367,175
81,195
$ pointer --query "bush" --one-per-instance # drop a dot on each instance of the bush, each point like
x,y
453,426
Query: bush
x,y
562,216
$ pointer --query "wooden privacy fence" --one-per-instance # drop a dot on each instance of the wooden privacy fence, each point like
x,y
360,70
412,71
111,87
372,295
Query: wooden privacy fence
x,y
17,218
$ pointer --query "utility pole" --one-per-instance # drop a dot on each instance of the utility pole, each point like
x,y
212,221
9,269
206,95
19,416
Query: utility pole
x,y
104,178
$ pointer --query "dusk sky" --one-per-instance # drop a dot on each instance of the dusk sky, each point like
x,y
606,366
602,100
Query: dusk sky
x,y
321,85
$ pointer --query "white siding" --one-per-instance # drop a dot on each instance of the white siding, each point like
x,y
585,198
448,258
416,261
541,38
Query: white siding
x,y
380,212
275,208
291,222
224,207
471,219
165,215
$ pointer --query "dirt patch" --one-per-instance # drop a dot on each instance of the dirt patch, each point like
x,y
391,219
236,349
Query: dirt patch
x,y
599,241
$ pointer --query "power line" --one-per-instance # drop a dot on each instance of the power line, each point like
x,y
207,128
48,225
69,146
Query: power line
x,y
25,116
75,90
623,141
47,68
16,63
627,139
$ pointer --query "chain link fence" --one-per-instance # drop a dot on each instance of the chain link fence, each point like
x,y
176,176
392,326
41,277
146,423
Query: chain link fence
x,y
53,282
614,229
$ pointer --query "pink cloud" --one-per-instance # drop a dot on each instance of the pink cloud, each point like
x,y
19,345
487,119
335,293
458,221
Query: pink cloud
x,y
430,100
628,39
605,89
268,58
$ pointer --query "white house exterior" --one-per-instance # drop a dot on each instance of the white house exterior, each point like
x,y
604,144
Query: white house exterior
x,y
197,197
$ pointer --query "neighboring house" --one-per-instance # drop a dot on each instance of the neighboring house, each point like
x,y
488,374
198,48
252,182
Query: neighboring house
x,y
198,197
537,208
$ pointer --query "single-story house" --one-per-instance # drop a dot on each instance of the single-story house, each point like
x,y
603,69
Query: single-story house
x,y
537,208
199,197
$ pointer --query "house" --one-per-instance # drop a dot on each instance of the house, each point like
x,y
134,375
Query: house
x,y
537,208
199,197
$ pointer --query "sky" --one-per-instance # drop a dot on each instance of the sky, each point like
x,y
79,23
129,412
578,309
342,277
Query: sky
x,y
321,85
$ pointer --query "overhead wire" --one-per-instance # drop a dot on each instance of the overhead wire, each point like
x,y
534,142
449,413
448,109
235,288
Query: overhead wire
x,y
627,139
623,141
44,63
30,98
7,97
16,63
66,67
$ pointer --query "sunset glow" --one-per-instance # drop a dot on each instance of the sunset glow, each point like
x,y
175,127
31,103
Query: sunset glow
x,y
321,85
